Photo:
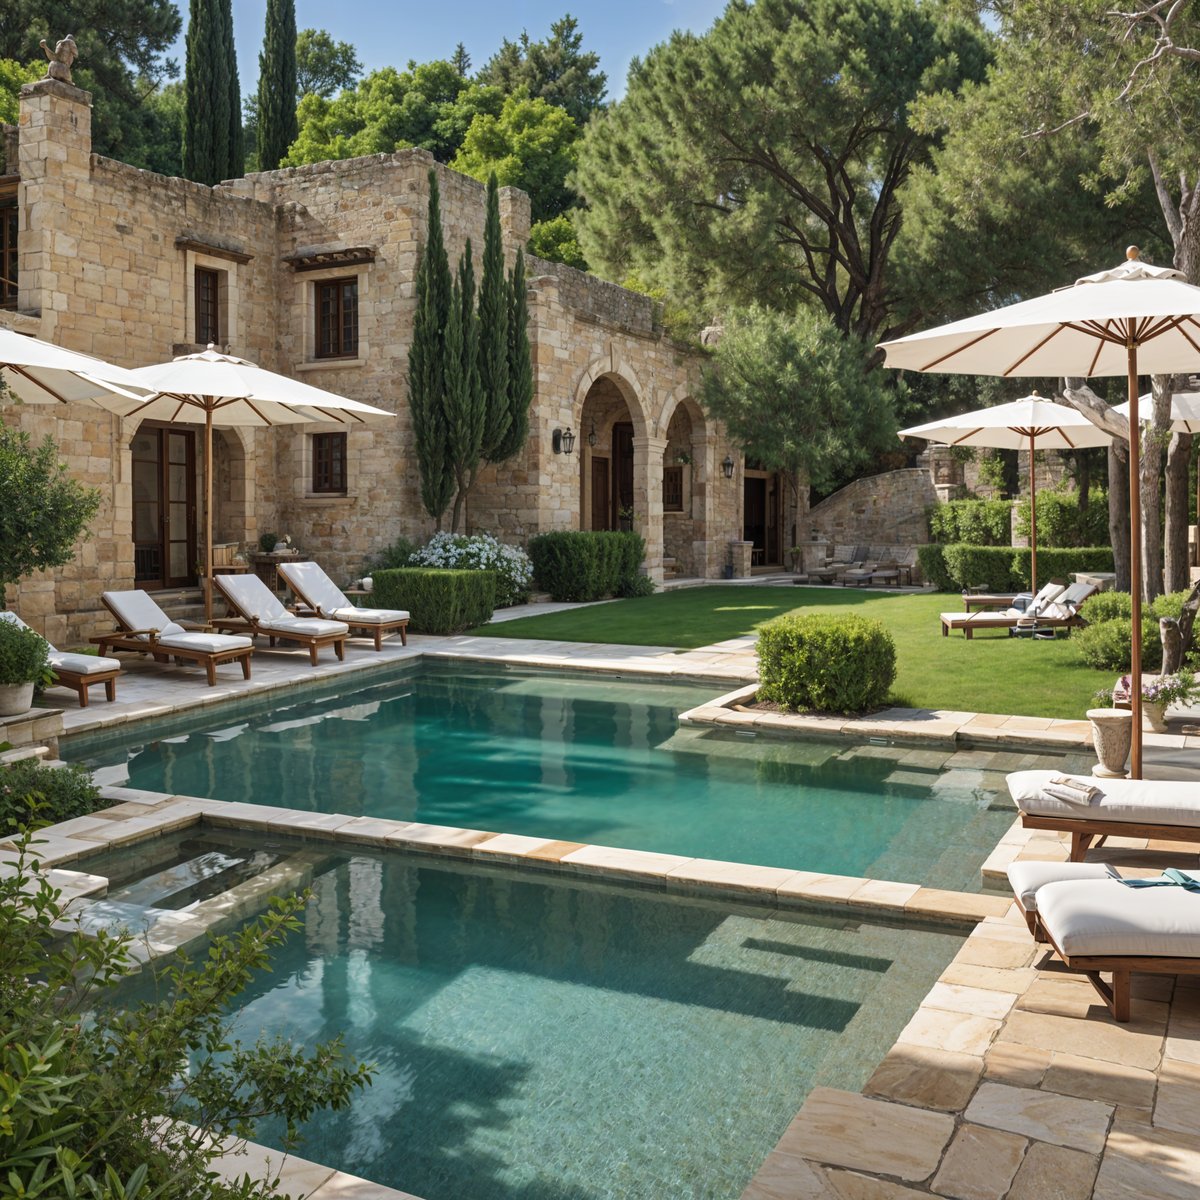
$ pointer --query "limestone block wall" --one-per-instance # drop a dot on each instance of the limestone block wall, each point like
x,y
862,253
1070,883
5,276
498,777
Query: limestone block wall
x,y
879,509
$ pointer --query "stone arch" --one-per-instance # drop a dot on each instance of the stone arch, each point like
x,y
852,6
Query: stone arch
x,y
624,378
688,466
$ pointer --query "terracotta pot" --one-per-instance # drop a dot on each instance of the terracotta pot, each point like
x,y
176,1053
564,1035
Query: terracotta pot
x,y
15,698
1112,736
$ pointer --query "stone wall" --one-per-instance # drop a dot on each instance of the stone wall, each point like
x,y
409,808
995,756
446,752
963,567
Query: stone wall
x,y
887,509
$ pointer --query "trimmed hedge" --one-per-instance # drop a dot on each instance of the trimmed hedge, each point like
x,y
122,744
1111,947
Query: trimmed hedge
x,y
1060,522
1005,568
980,522
826,663
56,794
1106,645
438,600
587,564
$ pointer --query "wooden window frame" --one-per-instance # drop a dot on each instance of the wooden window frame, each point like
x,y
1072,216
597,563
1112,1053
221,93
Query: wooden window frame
x,y
672,492
337,345
329,464
206,278
9,260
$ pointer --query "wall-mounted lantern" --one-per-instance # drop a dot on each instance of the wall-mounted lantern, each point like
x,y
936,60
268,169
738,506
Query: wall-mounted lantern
x,y
727,466
563,441
592,436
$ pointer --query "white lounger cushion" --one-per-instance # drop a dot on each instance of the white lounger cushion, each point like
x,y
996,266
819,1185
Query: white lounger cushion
x,y
1103,918
212,643
302,626
1027,877
81,664
137,610
310,583
251,597
369,616
1149,801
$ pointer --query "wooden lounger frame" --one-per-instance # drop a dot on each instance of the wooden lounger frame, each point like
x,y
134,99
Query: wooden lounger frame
x,y
246,624
132,639
1084,832
375,629
80,681
969,625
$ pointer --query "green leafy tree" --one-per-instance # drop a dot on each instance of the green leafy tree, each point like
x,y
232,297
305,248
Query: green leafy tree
x,y
555,240
557,70
429,105
493,331
520,364
763,161
530,145
43,511
123,46
426,365
797,395
324,66
277,85
95,1101
162,140
12,76
207,152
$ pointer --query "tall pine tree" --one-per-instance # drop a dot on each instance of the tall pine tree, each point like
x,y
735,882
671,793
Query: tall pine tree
x,y
277,127
520,363
464,400
212,140
426,365
493,331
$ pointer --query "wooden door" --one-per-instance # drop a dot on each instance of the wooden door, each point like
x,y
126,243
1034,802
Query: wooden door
x,y
164,506
601,507
622,474
754,512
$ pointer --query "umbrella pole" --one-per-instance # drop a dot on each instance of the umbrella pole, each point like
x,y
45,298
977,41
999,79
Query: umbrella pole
x,y
1135,563
1032,521
208,520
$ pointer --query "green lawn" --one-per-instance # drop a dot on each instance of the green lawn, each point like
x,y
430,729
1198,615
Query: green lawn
x,y
990,673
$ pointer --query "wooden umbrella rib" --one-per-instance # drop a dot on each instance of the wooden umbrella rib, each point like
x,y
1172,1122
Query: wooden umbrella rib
x,y
958,350
958,441
38,383
1032,351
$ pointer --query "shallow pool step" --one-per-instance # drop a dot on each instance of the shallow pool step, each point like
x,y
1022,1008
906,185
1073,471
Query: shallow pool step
x,y
162,885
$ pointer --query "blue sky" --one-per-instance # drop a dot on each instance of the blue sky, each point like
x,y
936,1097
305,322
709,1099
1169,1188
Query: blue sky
x,y
388,34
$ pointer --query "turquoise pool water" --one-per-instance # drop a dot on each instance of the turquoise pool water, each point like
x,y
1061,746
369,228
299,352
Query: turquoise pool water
x,y
584,759
559,1040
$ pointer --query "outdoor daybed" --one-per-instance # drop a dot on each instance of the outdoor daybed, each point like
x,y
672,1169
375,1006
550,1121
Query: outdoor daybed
x,y
319,594
259,610
146,629
1164,810
1096,922
1059,610
77,671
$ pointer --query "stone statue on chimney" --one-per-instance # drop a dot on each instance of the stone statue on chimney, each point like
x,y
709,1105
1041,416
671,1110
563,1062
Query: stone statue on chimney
x,y
61,58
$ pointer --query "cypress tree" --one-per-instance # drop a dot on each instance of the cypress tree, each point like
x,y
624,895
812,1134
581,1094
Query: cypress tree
x,y
493,331
277,127
426,365
464,401
235,162
206,120
520,363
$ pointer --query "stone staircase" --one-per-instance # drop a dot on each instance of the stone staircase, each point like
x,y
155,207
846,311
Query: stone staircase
x,y
186,604
670,569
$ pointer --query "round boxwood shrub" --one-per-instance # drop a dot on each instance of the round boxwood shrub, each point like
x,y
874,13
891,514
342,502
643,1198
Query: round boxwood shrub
x,y
1106,644
23,654
826,663
1107,606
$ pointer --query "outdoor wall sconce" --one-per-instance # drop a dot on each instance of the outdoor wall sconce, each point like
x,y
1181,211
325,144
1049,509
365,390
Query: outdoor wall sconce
x,y
727,466
563,441
592,435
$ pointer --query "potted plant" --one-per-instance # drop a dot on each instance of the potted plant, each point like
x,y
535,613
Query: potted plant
x,y
1158,694
23,664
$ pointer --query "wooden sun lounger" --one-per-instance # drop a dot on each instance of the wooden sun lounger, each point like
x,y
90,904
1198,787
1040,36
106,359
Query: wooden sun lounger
x,y
970,623
276,623
319,596
80,681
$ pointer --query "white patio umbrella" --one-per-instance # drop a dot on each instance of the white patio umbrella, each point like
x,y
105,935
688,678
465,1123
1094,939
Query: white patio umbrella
x,y
1135,317
43,373
1185,411
1029,423
211,388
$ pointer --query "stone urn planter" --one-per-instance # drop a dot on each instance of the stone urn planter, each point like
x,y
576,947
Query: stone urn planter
x,y
1112,736
1154,717
15,698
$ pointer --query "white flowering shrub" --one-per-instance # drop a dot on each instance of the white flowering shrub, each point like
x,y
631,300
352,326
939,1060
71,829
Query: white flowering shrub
x,y
481,552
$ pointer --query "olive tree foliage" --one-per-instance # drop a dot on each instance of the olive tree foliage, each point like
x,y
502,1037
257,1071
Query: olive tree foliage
x,y
1077,73
324,66
111,1099
798,395
764,161
43,511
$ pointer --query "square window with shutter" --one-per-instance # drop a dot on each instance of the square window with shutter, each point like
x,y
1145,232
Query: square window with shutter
x,y
208,306
672,489
329,463
337,318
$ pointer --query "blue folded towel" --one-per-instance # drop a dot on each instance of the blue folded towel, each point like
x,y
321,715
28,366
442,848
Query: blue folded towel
x,y
1171,877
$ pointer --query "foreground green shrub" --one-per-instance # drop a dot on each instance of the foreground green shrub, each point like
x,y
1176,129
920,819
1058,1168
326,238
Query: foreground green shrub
x,y
932,561
23,654
390,557
59,793
438,601
1106,645
988,567
1061,522
587,564
105,1099
980,522
826,663
1107,606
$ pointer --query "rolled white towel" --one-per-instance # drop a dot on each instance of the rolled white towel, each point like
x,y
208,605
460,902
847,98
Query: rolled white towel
x,y
1071,791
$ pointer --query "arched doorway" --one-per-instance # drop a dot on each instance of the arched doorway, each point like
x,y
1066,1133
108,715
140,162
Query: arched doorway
x,y
684,490
606,461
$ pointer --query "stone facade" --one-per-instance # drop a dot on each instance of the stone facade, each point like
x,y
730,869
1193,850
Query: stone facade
x,y
887,509
108,256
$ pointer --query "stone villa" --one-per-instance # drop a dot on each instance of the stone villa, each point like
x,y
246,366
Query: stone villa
x,y
310,271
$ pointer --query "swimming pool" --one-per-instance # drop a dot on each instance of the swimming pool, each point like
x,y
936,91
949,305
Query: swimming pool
x,y
580,758
562,1039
